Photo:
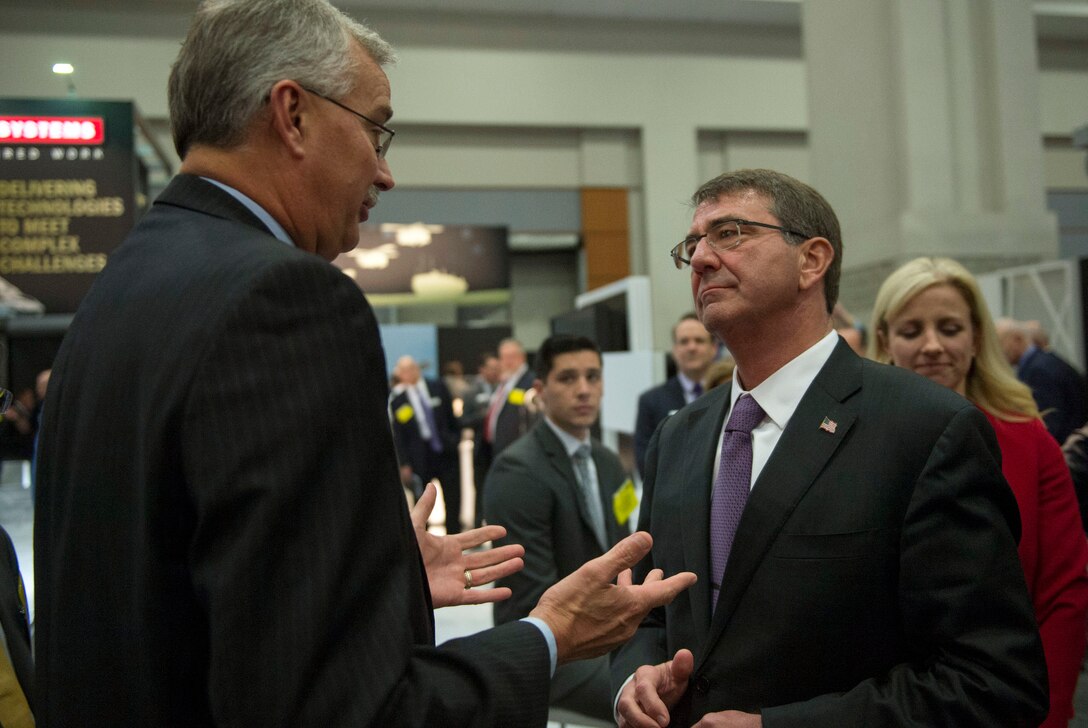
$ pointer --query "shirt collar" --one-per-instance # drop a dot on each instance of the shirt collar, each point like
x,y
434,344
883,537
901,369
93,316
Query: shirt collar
x,y
1027,354
687,384
569,441
780,393
270,222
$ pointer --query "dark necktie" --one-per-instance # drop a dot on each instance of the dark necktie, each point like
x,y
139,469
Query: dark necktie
x,y
696,390
590,496
428,415
731,486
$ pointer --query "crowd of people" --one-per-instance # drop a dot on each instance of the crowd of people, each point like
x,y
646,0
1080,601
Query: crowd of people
x,y
823,538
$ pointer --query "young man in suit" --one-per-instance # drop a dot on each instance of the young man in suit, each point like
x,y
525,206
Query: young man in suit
x,y
553,490
426,435
693,350
204,559
854,537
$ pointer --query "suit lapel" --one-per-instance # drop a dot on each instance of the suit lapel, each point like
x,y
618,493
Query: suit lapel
x,y
560,461
800,455
703,424
609,480
676,394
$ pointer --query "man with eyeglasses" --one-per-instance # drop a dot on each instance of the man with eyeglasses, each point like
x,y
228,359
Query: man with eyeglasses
x,y
693,351
854,538
221,538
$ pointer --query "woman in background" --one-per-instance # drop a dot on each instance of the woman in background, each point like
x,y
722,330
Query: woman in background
x,y
930,316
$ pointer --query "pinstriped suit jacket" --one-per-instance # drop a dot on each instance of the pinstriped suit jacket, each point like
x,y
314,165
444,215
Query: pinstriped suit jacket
x,y
221,538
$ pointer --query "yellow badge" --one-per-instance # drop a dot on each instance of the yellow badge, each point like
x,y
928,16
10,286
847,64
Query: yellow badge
x,y
517,397
404,413
624,502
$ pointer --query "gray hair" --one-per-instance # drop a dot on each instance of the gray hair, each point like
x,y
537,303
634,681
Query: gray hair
x,y
797,207
236,50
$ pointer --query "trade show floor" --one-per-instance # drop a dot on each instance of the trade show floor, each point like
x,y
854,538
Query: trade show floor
x,y
17,517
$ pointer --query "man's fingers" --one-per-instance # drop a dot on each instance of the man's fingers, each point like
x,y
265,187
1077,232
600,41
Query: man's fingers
x,y
488,574
483,596
623,555
475,537
491,557
681,667
624,578
660,593
647,683
630,712
423,507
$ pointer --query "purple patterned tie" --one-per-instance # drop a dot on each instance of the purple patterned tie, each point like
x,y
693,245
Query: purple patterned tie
x,y
731,486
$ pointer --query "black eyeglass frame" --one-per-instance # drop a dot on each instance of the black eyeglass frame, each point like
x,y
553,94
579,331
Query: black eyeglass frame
x,y
678,249
385,139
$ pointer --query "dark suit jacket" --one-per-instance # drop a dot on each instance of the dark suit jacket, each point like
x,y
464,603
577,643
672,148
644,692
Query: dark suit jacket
x,y
412,449
1059,391
514,419
874,579
13,618
476,400
532,491
220,535
655,405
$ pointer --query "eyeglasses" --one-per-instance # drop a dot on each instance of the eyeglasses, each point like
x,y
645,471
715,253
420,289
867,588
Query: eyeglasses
x,y
385,137
722,236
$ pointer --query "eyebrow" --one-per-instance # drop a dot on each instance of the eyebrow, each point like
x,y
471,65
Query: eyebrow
x,y
386,110
716,221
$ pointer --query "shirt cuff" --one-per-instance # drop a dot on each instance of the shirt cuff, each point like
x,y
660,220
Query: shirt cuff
x,y
553,651
616,700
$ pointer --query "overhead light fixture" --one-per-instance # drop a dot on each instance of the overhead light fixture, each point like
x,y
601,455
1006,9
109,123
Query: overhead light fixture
x,y
66,70
438,284
374,258
413,235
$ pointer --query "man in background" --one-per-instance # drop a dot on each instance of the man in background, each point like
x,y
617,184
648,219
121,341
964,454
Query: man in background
x,y
847,519
426,435
560,495
476,402
1059,389
201,558
508,415
693,349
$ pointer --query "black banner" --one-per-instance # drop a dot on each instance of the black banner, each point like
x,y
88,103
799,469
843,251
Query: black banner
x,y
68,185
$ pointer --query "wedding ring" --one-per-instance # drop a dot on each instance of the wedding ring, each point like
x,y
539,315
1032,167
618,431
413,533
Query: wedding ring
x,y
468,579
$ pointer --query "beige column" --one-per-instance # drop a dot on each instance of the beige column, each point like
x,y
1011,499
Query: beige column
x,y
670,173
925,133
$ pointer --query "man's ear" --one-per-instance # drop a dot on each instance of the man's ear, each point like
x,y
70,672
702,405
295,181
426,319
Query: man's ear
x,y
538,385
816,257
289,110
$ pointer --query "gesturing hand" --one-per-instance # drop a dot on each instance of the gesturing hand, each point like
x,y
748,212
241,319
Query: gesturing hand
x,y
647,697
446,562
590,615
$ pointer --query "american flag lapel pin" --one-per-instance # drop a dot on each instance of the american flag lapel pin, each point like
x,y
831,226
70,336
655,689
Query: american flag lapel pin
x,y
828,425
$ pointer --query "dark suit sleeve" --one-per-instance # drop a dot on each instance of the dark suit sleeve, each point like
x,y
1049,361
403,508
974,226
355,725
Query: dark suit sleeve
x,y
648,645
303,558
976,654
515,498
645,423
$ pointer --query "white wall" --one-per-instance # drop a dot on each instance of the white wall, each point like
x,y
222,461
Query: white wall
x,y
499,102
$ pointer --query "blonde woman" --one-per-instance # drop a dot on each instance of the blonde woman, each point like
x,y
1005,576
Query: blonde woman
x,y
930,317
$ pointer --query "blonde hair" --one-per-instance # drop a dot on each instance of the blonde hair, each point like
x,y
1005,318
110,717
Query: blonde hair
x,y
991,384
